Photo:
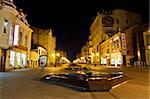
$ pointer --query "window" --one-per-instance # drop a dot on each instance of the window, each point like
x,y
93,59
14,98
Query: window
x,y
107,50
5,25
20,38
26,40
12,58
117,45
16,35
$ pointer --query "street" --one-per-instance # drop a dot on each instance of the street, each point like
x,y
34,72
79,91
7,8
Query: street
x,y
25,84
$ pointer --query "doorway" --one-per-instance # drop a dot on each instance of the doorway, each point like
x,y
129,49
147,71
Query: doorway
x,y
2,60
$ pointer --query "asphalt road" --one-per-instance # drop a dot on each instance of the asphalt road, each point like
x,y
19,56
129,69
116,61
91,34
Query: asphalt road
x,y
25,84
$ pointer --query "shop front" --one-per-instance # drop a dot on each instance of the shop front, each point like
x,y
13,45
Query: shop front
x,y
116,59
103,61
18,59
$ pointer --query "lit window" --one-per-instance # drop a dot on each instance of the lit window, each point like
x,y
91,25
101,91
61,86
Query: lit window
x,y
16,34
5,25
117,44
12,58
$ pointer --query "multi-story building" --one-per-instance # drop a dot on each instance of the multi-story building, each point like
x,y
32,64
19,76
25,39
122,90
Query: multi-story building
x,y
84,54
45,38
135,42
35,54
84,51
97,36
127,51
15,37
113,50
107,24
124,19
146,33
61,57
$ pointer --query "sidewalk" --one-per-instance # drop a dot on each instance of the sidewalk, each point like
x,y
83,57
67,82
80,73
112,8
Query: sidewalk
x,y
138,85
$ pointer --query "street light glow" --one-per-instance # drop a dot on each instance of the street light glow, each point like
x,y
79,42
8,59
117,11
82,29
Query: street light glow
x,y
97,54
58,54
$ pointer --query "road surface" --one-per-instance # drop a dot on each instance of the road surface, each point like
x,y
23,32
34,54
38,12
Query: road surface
x,y
25,84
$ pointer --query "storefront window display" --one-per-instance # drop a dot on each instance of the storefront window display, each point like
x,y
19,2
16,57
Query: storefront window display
x,y
12,58
103,61
116,58
17,58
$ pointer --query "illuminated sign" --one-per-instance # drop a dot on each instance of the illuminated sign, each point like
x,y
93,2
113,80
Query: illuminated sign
x,y
43,60
16,33
123,40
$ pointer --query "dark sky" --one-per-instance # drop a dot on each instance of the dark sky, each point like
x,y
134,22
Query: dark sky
x,y
71,19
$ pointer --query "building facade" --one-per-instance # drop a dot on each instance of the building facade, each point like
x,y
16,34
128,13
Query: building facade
x,y
146,33
45,38
35,54
113,50
105,26
61,57
15,37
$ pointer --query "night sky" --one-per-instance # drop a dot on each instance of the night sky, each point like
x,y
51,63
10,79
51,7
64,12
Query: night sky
x,y
70,20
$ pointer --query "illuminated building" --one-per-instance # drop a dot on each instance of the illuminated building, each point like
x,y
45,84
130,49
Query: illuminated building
x,y
124,19
15,37
113,49
97,36
45,38
35,54
61,53
146,34
84,52
61,57
106,25
135,44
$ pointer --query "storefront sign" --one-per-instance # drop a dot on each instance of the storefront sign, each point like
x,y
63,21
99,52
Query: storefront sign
x,y
123,41
43,60
16,35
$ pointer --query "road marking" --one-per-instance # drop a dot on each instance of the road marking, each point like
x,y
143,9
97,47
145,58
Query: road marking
x,y
119,84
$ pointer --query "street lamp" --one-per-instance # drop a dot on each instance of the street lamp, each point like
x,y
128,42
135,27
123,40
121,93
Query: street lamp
x,y
58,54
